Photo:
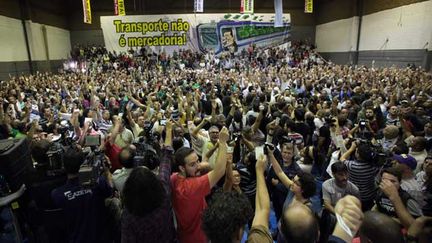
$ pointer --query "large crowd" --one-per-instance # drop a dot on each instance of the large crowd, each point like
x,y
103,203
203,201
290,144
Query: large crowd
x,y
197,147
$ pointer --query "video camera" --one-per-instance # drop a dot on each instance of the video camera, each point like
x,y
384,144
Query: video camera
x,y
362,124
147,149
94,163
379,155
268,146
59,144
330,120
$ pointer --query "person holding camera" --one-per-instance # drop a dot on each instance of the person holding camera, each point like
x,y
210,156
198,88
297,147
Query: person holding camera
x,y
363,130
83,208
41,180
362,171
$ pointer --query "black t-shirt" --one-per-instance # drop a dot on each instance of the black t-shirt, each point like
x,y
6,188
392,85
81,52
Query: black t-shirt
x,y
304,130
40,185
84,209
324,132
427,208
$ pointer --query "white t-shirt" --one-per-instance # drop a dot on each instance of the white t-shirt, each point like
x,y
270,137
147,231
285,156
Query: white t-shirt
x,y
414,189
333,193
120,176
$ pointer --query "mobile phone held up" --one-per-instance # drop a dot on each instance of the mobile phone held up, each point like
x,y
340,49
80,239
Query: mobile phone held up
x,y
92,140
162,122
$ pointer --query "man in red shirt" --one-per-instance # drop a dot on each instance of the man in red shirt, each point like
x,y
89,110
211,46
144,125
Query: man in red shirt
x,y
189,189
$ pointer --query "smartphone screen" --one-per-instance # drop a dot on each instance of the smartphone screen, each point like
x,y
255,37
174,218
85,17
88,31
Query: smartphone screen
x,y
92,140
259,151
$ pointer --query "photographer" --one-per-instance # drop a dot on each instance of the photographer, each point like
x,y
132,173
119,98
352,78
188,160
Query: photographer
x,y
41,180
362,171
84,210
363,129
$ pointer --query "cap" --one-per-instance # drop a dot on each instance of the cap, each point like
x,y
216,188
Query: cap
x,y
406,159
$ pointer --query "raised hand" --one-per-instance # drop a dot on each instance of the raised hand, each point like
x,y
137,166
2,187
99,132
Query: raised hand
x,y
389,189
261,164
224,135
350,212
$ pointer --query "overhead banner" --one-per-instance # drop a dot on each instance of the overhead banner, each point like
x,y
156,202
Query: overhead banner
x,y
308,6
119,7
87,11
278,13
218,32
246,6
198,6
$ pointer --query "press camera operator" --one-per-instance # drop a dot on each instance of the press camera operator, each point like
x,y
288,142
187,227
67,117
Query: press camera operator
x,y
42,179
362,170
84,209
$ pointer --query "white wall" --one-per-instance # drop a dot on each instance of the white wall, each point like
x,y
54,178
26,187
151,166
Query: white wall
x,y
58,42
13,47
337,36
12,43
406,27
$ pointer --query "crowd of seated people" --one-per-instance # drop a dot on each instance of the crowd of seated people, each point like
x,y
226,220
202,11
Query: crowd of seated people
x,y
203,148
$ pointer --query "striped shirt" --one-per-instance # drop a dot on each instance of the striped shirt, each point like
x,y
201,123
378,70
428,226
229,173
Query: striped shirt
x,y
363,176
104,125
247,180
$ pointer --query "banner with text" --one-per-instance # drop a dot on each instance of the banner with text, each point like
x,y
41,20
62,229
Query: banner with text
x,y
308,6
203,32
119,8
87,11
199,6
246,6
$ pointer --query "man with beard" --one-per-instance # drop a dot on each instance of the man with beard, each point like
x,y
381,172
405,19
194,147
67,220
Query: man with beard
x,y
189,189
411,121
370,117
333,190
338,187
344,121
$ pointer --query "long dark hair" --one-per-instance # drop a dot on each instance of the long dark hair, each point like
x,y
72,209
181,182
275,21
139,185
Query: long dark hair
x,y
143,192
